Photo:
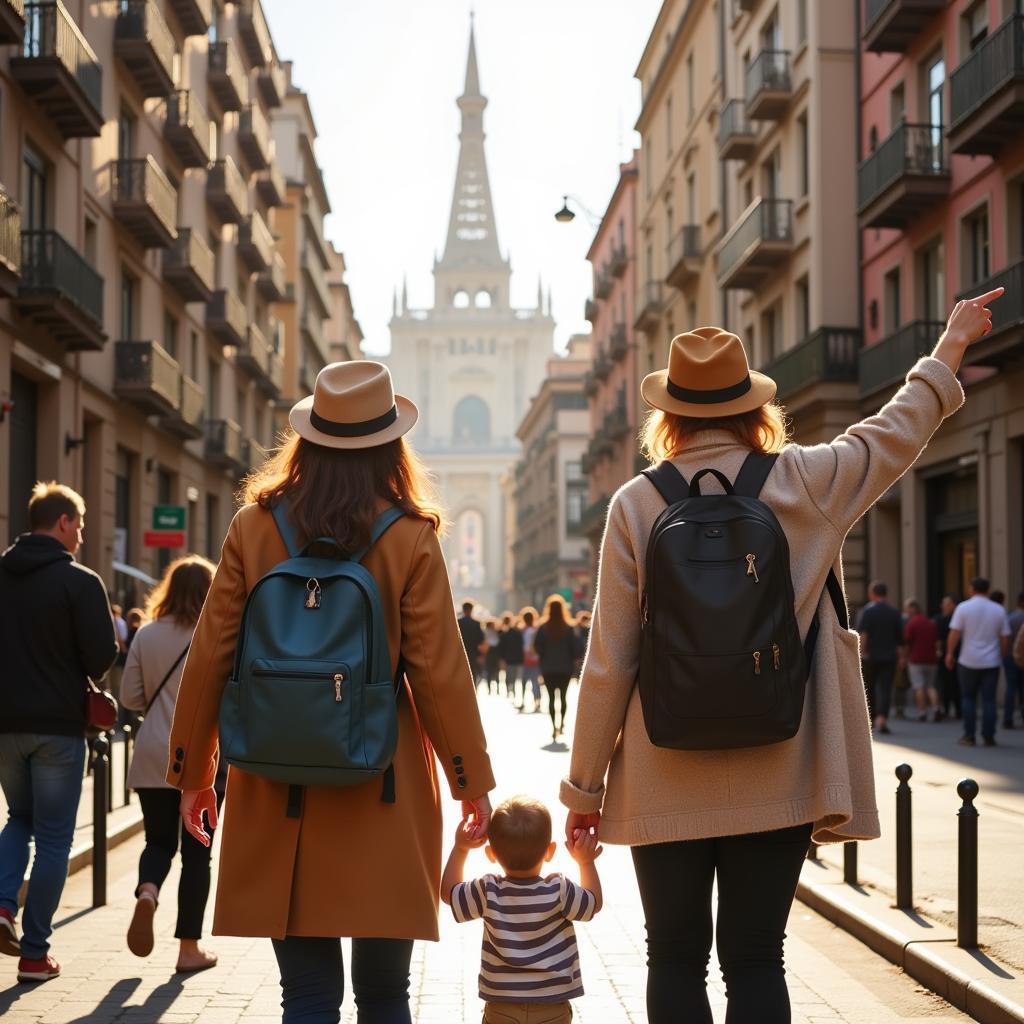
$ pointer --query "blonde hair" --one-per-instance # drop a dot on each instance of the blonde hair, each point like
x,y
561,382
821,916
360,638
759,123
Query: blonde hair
x,y
520,832
665,434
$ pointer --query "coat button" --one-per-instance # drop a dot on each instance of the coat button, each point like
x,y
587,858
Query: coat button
x,y
461,782
176,768
457,759
459,770
179,753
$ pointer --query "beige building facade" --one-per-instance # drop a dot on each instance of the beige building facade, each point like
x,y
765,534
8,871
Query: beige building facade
x,y
139,350
550,552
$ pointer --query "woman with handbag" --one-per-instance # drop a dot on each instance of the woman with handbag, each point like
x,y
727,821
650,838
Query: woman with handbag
x,y
339,860
152,674
704,806
557,647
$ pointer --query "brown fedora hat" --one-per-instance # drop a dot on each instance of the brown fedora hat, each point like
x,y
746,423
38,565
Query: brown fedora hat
x,y
353,405
708,376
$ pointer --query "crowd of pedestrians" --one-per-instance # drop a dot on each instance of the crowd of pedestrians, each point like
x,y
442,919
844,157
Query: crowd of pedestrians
x,y
330,615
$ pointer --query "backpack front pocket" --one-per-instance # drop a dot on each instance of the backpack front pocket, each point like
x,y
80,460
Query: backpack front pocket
x,y
719,686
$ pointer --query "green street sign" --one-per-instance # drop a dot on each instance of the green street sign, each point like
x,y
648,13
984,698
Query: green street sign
x,y
168,517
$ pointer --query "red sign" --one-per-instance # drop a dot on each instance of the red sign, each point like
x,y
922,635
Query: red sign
x,y
164,538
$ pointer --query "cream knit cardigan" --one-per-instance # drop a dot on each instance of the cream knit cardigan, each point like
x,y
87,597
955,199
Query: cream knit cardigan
x,y
824,774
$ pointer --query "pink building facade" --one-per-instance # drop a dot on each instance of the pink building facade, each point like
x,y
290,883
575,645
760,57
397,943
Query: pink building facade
x,y
941,207
611,385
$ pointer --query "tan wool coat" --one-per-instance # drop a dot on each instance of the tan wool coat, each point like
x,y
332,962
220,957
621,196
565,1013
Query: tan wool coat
x,y
824,775
350,865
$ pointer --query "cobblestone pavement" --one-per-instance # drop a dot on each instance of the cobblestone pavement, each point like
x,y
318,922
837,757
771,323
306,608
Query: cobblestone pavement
x,y
832,977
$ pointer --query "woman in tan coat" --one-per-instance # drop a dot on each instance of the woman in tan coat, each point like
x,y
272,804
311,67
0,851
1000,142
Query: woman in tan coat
x,y
344,863
744,815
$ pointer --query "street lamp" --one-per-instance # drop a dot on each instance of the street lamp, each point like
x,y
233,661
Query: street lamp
x,y
565,215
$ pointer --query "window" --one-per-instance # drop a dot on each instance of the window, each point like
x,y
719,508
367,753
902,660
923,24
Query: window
x,y
124,465
801,22
974,26
690,104
193,363
691,198
573,472
934,74
804,154
212,527
89,249
170,334
34,198
897,106
574,507
461,299
771,34
125,135
471,421
650,262
648,160
164,496
691,315
803,308
240,408
771,333
892,293
771,175
212,389
482,299
931,282
668,124
976,247
129,304
1015,219
670,223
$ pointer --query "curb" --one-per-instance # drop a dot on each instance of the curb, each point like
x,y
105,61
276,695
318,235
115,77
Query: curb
x,y
81,853
967,979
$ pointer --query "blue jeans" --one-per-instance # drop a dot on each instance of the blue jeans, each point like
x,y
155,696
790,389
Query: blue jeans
x,y
41,777
313,980
1014,690
971,681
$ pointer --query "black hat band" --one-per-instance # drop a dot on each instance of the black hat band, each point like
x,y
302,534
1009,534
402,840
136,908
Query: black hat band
x,y
711,397
353,429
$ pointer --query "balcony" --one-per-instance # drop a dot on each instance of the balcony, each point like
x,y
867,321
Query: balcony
x,y
891,25
189,266
602,365
254,137
648,307
768,86
314,271
144,201
271,83
252,26
736,138
757,244
616,424
59,70
145,45
187,129
10,246
60,291
194,16
225,75
226,192
619,261
186,421
271,282
603,283
1006,339
147,377
253,454
253,355
227,318
887,362
589,384
255,243
272,381
830,354
987,93
270,185
906,175
590,310
684,257
618,342
224,445
12,21
593,519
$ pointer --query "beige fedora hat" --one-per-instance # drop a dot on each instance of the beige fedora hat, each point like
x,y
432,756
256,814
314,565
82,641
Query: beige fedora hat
x,y
707,376
353,405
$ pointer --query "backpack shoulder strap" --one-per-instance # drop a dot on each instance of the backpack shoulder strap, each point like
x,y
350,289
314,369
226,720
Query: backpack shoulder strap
x,y
669,482
289,533
381,525
753,473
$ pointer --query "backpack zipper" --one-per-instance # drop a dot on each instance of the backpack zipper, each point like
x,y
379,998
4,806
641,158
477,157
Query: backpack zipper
x,y
757,663
777,656
752,568
338,677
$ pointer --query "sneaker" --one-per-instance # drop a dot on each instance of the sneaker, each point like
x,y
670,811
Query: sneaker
x,y
966,741
140,931
38,970
9,944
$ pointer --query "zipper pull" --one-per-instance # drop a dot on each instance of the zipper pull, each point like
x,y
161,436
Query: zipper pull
x,y
777,656
751,568
338,677
757,663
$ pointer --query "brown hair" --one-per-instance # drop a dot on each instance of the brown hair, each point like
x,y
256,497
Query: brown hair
x,y
51,500
664,434
520,833
530,611
334,492
181,592
556,616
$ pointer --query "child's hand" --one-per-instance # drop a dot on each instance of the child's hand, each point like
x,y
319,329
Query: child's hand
x,y
467,836
584,848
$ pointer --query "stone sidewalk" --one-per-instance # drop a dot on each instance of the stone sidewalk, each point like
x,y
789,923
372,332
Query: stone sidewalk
x,y
832,977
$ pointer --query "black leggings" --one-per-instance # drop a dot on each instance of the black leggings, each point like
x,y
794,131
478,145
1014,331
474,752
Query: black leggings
x,y
557,682
757,876
163,823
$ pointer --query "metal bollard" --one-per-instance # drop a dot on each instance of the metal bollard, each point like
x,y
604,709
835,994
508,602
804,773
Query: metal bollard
x,y
967,866
101,770
904,852
110,774
126,729
850,863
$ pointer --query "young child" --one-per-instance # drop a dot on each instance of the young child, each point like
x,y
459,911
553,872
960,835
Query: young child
x,y
529,960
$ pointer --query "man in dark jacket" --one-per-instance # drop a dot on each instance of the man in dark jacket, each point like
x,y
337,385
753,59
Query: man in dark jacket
x,y
881,636
472,637
56,631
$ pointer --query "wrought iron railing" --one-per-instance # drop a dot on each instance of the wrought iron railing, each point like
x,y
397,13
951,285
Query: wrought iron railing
x,y
224,440
226,308
685,246
51,32
768,73
829,354
142,181
732,121
997,60
887,361
191,406
767,220
255,32
146,365
141,19
917,149
10,233
185,111
1008,310
189,251
225,177
50,263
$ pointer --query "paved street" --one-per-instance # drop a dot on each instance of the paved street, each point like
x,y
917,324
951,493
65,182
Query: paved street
x,y
832,977
939,763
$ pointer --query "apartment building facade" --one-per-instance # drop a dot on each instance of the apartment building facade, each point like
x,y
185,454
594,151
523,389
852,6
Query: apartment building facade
x,y
550,552
941,206
611,384
139,351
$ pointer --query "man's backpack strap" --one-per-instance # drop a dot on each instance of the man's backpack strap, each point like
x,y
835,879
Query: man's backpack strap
x,y
381,525
289,532
669,482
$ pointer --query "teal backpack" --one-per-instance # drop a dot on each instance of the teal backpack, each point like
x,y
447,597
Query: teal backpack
x,y
311,700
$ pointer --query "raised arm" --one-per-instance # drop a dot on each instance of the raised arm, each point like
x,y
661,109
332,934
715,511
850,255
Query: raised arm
x,y
845,478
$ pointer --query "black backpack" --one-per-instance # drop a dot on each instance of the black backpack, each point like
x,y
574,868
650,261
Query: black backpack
x,y
722,664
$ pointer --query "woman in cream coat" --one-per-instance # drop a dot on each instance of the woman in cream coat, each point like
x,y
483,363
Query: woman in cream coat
x,y
743,815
